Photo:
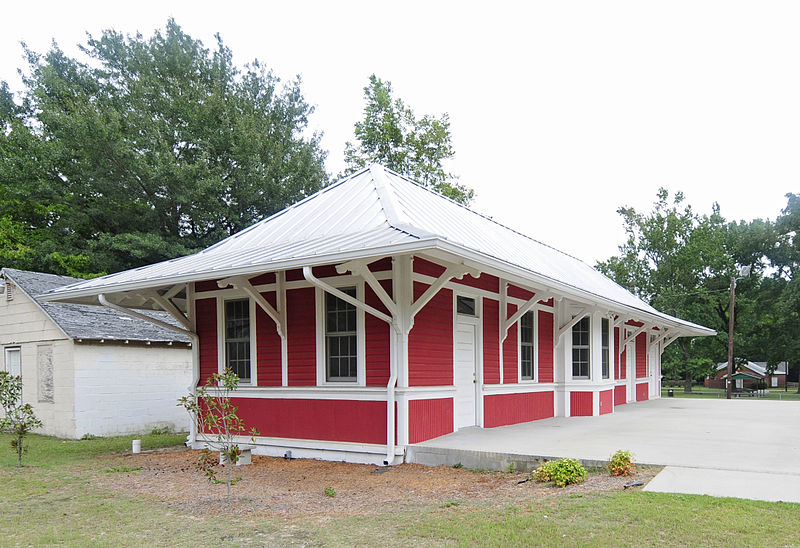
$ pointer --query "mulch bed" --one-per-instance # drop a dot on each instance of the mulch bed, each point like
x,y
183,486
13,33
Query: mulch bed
x,y
274,486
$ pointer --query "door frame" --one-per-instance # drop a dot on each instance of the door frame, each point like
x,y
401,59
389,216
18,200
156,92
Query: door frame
x,y
477,322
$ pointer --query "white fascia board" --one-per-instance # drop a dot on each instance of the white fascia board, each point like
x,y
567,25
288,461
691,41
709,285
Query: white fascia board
x,y
510,271
318,260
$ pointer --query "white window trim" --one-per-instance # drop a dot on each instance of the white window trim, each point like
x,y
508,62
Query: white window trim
x,y
571,365
6,351
361,338
221,336
535,351
610,349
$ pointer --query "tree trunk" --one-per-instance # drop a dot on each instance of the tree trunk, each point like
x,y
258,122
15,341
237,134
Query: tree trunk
x,y
687,383
19,451
229,464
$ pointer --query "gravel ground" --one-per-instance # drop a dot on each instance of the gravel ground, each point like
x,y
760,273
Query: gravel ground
x,y
278,487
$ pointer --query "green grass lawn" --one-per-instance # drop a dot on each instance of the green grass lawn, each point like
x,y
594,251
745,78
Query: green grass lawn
x,y
54,500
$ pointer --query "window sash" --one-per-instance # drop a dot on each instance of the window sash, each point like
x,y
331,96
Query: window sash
x,y
526,346
237,338
605,354
581,349
341,338
13,360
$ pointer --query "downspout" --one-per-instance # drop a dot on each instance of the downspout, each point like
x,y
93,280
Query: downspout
x,y
392,383
195,347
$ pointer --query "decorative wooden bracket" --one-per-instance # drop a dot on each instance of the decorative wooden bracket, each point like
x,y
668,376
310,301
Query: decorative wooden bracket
x,y
575,319
278,316
632,336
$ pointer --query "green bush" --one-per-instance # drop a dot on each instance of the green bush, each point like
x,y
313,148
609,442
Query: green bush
x,y
621,463
562,472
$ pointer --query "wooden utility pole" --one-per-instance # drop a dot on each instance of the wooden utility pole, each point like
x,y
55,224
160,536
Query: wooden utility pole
x,y
730,339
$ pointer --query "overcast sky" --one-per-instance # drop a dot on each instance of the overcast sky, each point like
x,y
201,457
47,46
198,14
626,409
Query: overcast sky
x,y
560,111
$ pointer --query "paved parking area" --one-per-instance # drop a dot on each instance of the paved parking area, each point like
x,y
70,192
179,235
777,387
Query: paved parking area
x,y
756,437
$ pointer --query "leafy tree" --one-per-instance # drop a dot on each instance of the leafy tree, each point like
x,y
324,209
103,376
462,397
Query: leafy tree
x,y
18,419
679,262
392,135
150,149
784,256
217,424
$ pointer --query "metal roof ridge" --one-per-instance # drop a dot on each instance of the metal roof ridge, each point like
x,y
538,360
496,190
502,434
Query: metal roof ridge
x,y
488,218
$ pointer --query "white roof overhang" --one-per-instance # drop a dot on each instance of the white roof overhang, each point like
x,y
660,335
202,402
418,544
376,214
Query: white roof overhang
x,y
125,292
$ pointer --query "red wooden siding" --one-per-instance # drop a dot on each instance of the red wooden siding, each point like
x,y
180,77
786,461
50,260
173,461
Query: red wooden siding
x,y
429,419
263,279
580,404
606,402
302,342
510,350
422,266
641,355
641,392
206,285
616,354
502,409
545,335
491,341
430,343
268,346
330,420
485,281
519,293
377,338
206,311
620,395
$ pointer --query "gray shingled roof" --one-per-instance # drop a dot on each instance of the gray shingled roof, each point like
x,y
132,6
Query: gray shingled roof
x,y
90,322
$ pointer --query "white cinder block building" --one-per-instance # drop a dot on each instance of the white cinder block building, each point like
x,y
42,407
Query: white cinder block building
x,y
89,369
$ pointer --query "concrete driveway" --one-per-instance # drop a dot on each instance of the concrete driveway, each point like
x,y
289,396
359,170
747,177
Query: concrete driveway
x,y
743,448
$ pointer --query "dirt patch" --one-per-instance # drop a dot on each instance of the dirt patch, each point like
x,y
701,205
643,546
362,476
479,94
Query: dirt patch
x,y
274,486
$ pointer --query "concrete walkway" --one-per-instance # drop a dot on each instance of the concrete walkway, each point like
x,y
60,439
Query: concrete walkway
x,y
702,438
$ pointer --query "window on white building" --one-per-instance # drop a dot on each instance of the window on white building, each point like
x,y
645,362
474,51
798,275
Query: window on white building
x,y
581,335
13,360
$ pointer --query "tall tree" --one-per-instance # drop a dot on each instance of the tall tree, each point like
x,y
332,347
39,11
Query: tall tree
x,y
785,258
152,148
679,262
390,134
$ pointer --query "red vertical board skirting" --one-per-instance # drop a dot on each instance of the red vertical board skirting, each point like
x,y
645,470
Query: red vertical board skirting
x,y
510,350
616,354
606,402
429,419
329,420
620,395
206,314
491,341
301,320
580,404
641,355
642,392
377,338
503,409
545,340
430,343
268,346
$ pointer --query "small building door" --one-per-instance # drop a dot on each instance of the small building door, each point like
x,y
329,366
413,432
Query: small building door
x,y
464,375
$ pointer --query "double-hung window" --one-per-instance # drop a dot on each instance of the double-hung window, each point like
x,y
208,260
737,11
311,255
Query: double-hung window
x,y
581,334
526,346
13,360
341,338
605,354
237,338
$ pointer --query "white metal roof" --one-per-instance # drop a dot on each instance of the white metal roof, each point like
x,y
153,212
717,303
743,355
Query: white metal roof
x,y
373,213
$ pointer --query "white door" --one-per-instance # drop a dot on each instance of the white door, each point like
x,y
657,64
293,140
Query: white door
x,y
774,381
464,376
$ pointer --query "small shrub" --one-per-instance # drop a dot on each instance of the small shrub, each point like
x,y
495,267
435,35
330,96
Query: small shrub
x,y
88,436
329,491
161,430
562,472
17,418
512,467
450,504
621,463
458,465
